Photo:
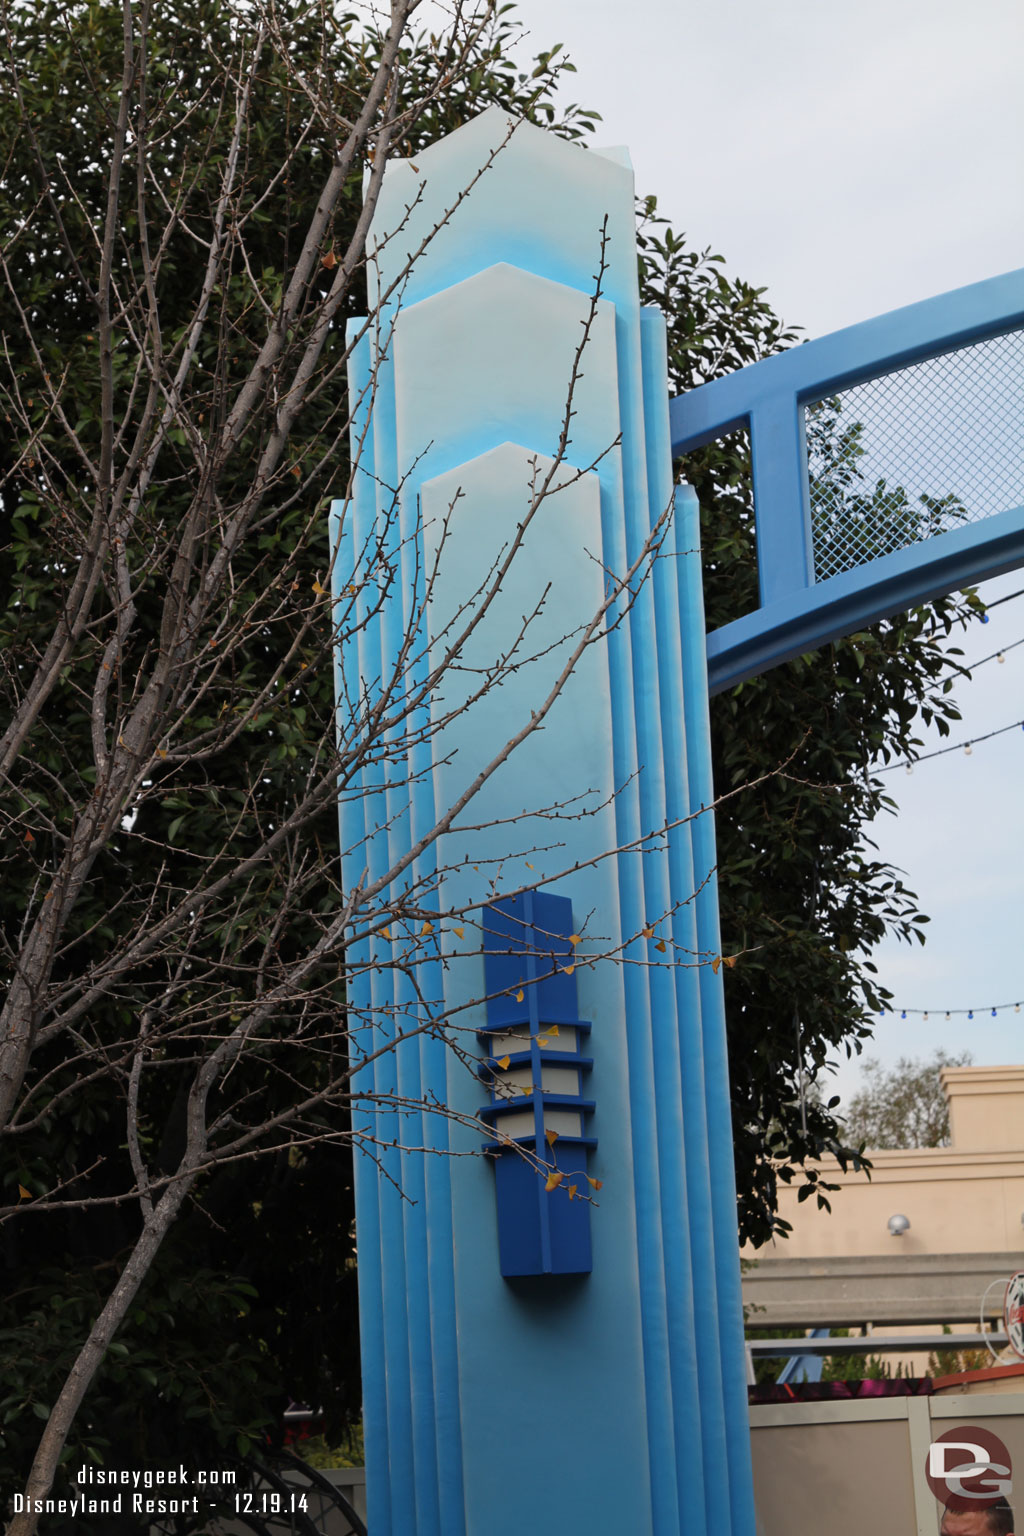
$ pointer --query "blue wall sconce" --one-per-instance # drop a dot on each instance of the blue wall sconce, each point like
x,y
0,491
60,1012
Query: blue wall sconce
x,y
534,1070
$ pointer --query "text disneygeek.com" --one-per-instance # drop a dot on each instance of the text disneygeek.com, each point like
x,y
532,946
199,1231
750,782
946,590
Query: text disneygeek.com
x,y
138,1491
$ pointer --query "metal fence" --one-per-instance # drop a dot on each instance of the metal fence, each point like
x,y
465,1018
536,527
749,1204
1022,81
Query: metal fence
x,y
887,468
918,452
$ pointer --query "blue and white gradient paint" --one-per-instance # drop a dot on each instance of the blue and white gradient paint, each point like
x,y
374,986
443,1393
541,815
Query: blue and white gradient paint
x,y
613,1401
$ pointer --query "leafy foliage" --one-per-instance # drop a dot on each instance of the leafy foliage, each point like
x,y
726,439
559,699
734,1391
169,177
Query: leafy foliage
x,y
262,1253
950,1362
250,1299
854,522
904,1105
802,895
852,1368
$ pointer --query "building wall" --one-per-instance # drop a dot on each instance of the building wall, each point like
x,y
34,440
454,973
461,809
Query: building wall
x,y
965,1204
964,1198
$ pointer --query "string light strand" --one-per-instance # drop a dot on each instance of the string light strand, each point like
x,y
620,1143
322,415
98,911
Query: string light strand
x,y
991,1009
972,666
999,600
957,746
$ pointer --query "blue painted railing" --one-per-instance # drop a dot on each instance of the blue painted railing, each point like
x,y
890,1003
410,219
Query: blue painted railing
x,y
770,398
804,1367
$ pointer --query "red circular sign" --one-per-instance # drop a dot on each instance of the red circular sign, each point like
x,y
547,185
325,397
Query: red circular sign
x,y
1013,1313
968,1468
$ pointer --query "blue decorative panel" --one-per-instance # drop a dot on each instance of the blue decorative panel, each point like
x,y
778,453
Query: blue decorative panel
x,y
528,937
534,1068
584,770
548,728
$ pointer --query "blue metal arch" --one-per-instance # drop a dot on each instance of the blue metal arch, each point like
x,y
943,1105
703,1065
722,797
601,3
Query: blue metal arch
x,y
797,612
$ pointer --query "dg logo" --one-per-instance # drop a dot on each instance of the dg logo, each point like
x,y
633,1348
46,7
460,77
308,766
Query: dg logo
x,y
968,1468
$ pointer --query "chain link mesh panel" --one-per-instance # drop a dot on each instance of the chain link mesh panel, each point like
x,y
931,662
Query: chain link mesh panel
x,y
919,452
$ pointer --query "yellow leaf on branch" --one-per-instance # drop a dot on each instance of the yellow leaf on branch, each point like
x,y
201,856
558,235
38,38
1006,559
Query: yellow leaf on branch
x,y
716,963
503,1063
595,1183
550,1137
23,1193
553,1180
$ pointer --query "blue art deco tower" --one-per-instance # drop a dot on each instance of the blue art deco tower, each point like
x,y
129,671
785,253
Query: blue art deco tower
x,y
553,1351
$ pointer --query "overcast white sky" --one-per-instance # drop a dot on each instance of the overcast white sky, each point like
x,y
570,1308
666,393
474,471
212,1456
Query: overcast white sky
x,y
853,159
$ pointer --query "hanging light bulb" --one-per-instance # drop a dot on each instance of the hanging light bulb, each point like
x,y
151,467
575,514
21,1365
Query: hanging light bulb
x,y
903,1014
1016,1007
1000,658
926,1018
984,618
910,767
993,1013
947,1016
970,1013
967,750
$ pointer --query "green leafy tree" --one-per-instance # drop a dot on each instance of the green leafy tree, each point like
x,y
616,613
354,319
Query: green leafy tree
x,y
185,212
802,895
184,196
854,521
950,1362
904,1105
843,1367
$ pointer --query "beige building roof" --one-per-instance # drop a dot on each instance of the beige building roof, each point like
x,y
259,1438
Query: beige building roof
x,y
964,1203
